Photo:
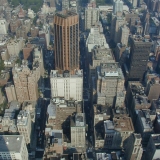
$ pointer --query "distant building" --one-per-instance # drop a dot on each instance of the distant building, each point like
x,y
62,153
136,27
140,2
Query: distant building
x,y
117,6
65,5
15,46
91,17
13,147
3,26
67,85
10,92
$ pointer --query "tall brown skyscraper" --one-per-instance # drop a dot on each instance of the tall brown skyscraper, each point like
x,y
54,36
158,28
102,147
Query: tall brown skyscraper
x,y
66,35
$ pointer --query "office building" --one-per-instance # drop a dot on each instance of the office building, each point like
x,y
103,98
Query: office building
x,y
10,92
153,148
13,147
25,83
66,29
24,125
91,17
78,131
139,54
133,147
117,6
110,79
67,85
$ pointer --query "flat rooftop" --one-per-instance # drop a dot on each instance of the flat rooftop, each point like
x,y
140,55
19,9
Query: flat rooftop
x,y
66,14
12,143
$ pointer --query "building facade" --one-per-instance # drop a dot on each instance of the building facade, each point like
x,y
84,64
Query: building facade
x,y
10,92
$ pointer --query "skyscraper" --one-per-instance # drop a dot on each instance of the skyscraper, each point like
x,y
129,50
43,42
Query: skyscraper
x,y
117,6
66,29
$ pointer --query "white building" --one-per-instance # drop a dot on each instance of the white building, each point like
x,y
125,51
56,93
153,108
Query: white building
x,y
3,26
31,13
117,6
13,147
95,38
78,131
15,46
24,125
91,17
67,85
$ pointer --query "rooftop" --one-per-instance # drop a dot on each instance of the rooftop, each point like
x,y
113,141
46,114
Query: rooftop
x,y
66,14
66,74
22,118
12,143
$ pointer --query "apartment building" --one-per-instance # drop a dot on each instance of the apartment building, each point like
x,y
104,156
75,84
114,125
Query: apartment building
x,y
10,92
78,131
91,16
24,125
25,83
13,147
15,46
133,147
69,86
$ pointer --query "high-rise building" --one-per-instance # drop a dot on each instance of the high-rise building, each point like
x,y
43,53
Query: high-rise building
x,y
10,92
78,131
24,125
13,147
133,147
152,150
117,6
67,85
66,29
65,4
91,17
25,83
139,54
